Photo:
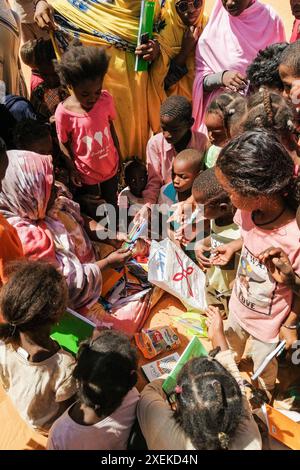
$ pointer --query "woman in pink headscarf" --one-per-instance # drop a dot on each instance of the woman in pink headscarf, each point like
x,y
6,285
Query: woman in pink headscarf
x,y
236,31
50,227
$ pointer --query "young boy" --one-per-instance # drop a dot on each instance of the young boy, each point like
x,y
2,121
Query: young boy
x,y
176,123
218,209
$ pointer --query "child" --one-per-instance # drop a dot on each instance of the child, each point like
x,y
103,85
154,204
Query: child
x,y
269,110
36,137
176,123
34,371
102,417
208,193
84,122
46,89
212,411
295,6
264,70
186,166
223,119
289,67
257,173
136,177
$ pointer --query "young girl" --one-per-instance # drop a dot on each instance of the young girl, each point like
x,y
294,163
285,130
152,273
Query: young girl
x,y
257,172
269,110
84,122
102,417
34,371
212,411
264,70
289,68
136,178
223,121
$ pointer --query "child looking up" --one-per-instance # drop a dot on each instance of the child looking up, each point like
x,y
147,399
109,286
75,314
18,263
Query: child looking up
x,y
209,194
264,70
102,417
34,371
269,110
223,121
212,410
257,172
84,122
136,177
46,89
176,122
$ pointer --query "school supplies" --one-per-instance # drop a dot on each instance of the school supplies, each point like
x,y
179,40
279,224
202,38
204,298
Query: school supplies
x,y
71,330
276,352
145,31
194,349
154,370
173,271
137,231
194,323
155,341
283,425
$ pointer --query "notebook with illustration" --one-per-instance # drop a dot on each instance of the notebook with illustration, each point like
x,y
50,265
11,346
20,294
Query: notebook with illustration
x,y
194,349
155,369
71,330
283,425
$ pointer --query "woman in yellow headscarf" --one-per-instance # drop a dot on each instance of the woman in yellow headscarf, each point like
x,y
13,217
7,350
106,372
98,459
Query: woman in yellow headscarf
x,y
172,73
114,26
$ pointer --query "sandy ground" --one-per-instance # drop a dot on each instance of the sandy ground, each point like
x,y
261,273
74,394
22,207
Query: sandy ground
x,y
281,6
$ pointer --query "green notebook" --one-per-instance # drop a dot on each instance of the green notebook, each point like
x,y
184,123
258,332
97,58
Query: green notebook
x,y
145,27
194,349
71,330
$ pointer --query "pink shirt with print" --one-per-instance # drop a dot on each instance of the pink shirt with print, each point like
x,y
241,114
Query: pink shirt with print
x,y
160,155
95,155
258,303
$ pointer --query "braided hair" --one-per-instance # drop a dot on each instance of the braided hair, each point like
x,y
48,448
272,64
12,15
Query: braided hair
x,y
230,107
177,107
269,110
209,404
207,184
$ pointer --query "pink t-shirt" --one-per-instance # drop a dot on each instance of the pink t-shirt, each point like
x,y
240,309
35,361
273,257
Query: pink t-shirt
x,y
160,155
258,303
95,155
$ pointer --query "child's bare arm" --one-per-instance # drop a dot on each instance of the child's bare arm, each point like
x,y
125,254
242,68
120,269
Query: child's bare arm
x,y
67,153
116,142
288,330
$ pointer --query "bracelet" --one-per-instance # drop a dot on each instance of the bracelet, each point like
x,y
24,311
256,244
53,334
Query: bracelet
x,y
291,327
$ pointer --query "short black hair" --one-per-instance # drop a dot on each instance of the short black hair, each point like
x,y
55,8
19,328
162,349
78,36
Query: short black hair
x,y
207,184
28,131
35,295
105,371
290,57
177,107
192,156
264,70
80,63
209,405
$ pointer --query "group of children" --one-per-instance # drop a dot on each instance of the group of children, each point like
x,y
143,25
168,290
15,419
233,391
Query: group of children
x,y
242,173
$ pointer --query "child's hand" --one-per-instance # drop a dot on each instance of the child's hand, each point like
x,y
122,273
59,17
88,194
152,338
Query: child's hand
x,y
216,328
289,335
279,266
44,16
222,255
202,260
149,51
143,214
